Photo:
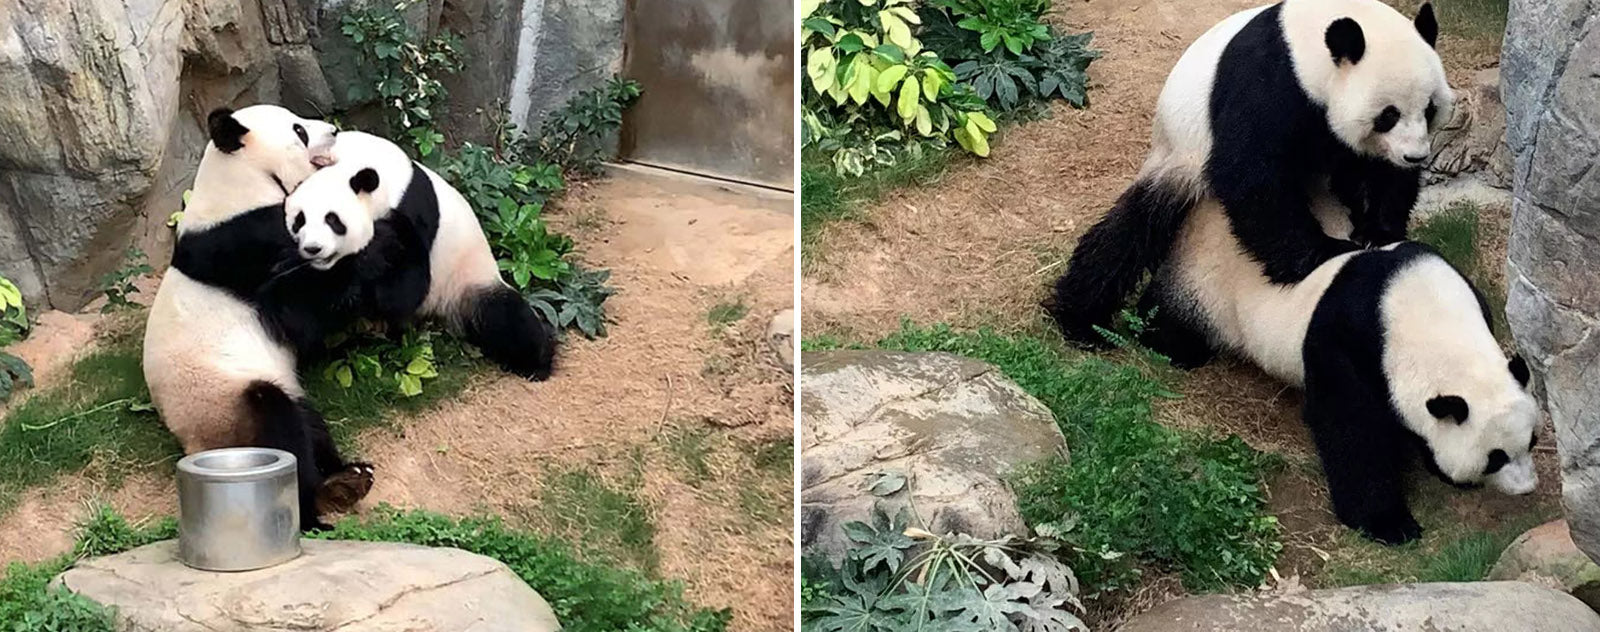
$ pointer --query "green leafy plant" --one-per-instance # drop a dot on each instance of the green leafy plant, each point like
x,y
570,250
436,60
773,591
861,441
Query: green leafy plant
x,y
117,285
898,578
1007,53
406,363
13,313
404,70
578,135
869,71
577,301
14,375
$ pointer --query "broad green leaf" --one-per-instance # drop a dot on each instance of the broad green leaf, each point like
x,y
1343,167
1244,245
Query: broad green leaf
x,y
819,66
862,86
979,138
418,366
890,53
924,121
896,29
905,13
890,78
410,385
931,84
984,122
906,105
807,7
850,43
344,376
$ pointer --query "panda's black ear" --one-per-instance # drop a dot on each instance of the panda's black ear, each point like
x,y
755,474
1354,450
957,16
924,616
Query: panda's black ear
x,y
1519,370
1448,406
1427,25
365,181
1345,41
226,132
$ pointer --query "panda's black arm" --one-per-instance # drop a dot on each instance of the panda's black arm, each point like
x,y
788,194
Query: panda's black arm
x,y
1391,194
394,269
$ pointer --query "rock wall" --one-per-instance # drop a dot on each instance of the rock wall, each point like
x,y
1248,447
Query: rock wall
x,y
103,102
1552,50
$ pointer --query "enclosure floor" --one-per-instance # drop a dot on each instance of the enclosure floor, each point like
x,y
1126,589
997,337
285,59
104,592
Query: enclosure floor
x,y
675,249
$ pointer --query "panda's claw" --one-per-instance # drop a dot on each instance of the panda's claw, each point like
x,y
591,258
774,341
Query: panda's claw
x,y
341,490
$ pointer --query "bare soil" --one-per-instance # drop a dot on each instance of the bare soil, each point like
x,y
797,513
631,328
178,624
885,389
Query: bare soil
x,y
982,245
675,248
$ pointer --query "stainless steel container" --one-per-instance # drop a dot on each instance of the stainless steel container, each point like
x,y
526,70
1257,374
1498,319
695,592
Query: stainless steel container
x,y
238,509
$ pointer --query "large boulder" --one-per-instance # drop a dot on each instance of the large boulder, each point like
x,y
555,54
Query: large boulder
x,y
1553,131
1545,555
348,586
1465,607
932,432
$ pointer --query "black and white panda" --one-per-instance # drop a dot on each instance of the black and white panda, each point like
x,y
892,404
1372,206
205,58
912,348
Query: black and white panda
x,y
218,373
413,246
1265,105
1393,347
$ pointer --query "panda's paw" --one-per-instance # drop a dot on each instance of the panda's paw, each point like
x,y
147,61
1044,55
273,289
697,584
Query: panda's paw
x,y
341,490
1393,529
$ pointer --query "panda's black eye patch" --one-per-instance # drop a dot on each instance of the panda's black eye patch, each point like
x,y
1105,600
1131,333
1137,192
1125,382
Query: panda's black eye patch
x,y
1431,111
336,224
1497,460
1386,120
300,130
299,222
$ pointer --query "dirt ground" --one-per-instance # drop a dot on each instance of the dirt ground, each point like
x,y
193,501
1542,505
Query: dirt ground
x,y
981,246
676,248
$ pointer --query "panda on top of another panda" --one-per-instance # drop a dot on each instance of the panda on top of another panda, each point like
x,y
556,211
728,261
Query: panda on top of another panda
x,y
403,242
1267,105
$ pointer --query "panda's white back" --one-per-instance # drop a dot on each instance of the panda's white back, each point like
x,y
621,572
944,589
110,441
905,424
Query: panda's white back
x,y
461,259
1181,132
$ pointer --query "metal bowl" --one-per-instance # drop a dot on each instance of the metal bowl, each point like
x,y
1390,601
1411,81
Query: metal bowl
x,y
238,509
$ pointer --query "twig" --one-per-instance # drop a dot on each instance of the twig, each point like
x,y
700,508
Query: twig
x,y
120,402
666,409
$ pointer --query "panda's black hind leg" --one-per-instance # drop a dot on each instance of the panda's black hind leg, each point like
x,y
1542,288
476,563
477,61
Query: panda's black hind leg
x,y
288,424
502,325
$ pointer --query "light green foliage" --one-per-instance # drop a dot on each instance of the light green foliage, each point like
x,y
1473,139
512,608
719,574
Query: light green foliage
x,y
585,596
578,136
871,79
117,285
897,578
577,301
1136,492
13,313
403,363
727,312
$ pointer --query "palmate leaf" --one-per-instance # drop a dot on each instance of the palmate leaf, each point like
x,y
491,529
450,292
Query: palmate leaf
x,y
881,543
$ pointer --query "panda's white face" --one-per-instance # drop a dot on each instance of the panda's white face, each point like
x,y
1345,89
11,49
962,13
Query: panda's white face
x,y
1387,91
331,215
274,141
1485,442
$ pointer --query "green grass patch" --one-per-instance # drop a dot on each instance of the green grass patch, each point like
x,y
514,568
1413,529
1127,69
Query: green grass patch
x,y
691,448
608,517
1454,232
99,414
1478,19
586,597
1449,551
826,196
727,312
1136,492
776,457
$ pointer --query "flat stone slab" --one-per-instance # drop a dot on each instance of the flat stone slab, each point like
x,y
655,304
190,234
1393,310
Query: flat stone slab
x,y
335,585
1441,607
931,431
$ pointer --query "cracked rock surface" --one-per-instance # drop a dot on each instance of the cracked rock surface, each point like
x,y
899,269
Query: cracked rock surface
x,y
932,432
334,585
1441,607
1552,49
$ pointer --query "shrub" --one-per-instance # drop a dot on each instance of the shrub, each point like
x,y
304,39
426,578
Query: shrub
x,y
577,136
117,285
1007,53
403,70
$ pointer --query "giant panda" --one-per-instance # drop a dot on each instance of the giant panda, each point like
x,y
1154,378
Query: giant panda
x,y
409,244
1392,346
1263,106
218,374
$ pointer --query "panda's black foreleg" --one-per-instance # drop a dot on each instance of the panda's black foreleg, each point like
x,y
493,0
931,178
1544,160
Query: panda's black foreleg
x,y
394,272
1134,237
1269,211
1169,331
1363,455
1391,194
504,327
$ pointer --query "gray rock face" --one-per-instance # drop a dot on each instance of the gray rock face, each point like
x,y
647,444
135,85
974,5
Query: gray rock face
x,y
1545,555
951,428
349,586
1552,48
1473,140
1467,607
